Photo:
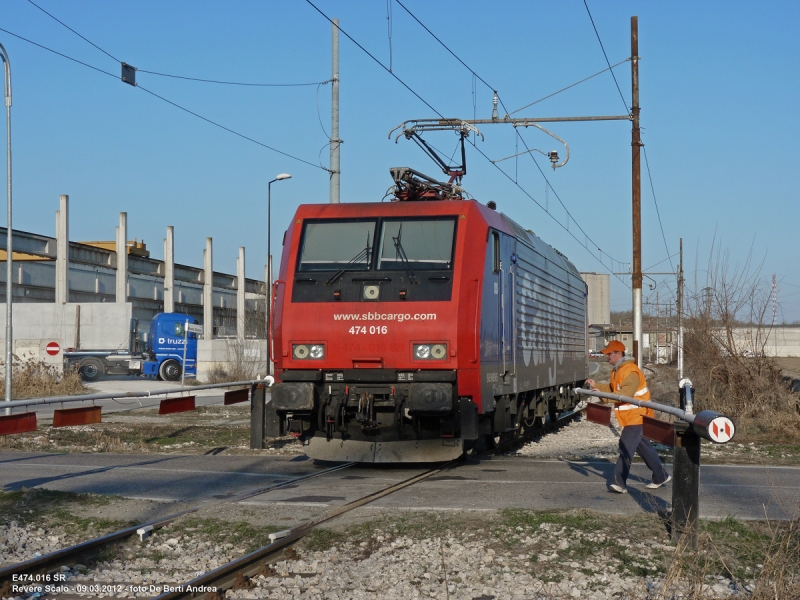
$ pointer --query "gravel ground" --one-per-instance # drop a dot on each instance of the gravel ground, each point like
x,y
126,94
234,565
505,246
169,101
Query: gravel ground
x,y
578,555
477,557
467,555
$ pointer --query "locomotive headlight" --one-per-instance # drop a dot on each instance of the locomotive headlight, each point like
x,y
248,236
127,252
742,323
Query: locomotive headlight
x,y
312,351
438,351
430,351
371,292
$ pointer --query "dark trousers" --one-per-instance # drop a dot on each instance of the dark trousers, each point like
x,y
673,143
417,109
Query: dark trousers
x,y
631,441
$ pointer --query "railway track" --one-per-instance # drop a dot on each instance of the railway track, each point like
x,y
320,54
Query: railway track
x,y
237,572
38,568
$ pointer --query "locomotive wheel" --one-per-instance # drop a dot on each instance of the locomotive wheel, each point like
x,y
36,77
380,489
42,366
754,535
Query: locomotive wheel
x,y
90,369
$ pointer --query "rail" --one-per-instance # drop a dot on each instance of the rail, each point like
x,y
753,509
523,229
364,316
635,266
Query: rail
x,y
41,565
269,380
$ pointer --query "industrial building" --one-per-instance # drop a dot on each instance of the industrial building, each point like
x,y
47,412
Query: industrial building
x,y
83,296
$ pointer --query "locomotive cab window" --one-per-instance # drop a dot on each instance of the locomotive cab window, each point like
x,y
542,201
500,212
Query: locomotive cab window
x,y
333,245
425,244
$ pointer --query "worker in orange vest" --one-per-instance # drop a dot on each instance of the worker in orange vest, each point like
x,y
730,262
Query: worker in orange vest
x,y
627,379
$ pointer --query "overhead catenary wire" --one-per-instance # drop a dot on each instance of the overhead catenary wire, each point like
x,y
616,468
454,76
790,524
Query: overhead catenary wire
x,y
24,39
528,150
652,188
605,55
175,104
234,132
585,79
240,83
404,84
198,79
655,202
384,67
75,32
560,224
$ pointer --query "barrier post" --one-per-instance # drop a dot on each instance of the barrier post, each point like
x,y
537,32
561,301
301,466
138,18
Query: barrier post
x,y
257,420
686,486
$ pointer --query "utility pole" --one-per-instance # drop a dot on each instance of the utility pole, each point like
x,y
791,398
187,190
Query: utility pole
x,y
636,195
9,366
658,341
680,316
335,141
411,128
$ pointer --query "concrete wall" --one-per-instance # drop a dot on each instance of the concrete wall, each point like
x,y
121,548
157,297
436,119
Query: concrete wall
x,y
778,341
225,353
103,326
599,297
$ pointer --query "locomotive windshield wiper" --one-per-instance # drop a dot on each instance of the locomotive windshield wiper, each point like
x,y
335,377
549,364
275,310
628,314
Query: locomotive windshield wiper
x,y
402,254
364,256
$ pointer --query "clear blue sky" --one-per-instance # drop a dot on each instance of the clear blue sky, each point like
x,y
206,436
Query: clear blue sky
x,y
720,84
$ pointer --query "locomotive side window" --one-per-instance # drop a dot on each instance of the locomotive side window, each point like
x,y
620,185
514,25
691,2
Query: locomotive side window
x,y
495,252
417,243
332,245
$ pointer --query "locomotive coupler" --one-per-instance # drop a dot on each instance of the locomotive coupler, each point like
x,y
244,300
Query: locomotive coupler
x,y
366,412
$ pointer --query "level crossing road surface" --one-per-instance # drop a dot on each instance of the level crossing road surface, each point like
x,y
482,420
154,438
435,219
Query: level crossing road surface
x,y
123,384
744,492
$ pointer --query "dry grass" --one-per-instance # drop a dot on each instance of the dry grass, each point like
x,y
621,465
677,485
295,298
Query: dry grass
x,y
760,559
234,372
727,335
34,379
751,390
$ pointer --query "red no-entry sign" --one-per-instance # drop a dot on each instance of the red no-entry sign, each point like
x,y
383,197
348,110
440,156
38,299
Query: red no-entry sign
x,y
53,348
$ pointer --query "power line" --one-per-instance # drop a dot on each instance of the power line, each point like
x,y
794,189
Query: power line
x,y
606,55
384,67
228,129
58,53
662,261
440,115
233,82
572,235
176,105
570,86
87,40
444,45
652,189
73,31
569,215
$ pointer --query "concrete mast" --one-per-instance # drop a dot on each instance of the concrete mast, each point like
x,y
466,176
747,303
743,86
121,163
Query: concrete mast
x,y
336,143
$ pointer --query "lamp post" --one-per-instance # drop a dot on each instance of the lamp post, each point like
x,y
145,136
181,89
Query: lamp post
x,y
280,177
7,87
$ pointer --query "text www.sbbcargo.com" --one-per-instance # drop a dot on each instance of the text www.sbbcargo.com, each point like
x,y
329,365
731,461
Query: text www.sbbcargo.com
x,y
375,316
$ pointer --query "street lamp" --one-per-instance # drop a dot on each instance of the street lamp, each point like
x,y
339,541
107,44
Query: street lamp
x,y
269,268
7,82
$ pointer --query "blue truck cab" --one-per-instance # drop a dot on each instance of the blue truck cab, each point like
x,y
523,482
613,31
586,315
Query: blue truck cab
x,y
161,356
165,347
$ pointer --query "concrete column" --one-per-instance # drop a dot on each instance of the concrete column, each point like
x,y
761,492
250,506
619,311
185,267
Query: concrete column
x,y
122,258
62,251
169,271
240,295
208,292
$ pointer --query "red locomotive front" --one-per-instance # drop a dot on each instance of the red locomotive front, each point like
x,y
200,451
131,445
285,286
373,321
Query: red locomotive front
x,y
379,330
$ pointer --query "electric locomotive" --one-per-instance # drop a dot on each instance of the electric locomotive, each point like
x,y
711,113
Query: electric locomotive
x,y
412,330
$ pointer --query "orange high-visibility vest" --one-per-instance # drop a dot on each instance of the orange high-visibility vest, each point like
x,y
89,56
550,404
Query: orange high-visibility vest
x,y
630,414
